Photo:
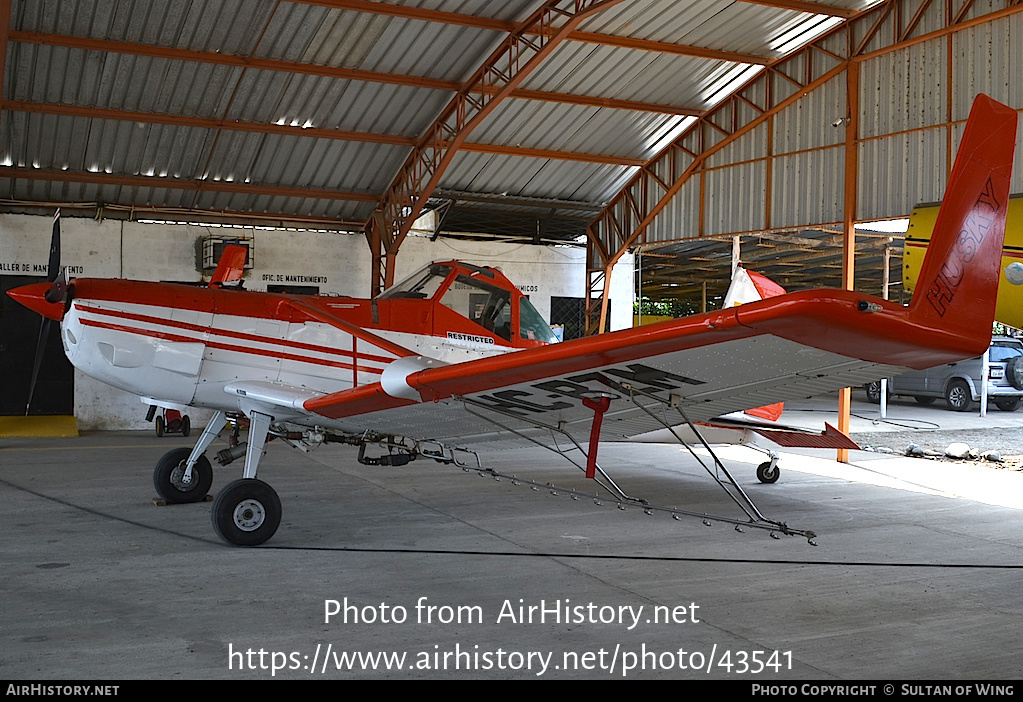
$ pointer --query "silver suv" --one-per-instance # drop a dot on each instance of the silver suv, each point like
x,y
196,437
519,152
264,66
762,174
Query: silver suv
x,y
959,383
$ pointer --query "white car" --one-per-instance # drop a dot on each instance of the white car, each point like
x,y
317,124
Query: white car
x,y
959,383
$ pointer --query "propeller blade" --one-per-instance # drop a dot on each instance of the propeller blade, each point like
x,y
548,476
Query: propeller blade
x,y
44,335
54,274
53,269
56,293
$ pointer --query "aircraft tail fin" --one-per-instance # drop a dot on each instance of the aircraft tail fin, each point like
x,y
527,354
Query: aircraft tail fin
x,y
231,265
958,281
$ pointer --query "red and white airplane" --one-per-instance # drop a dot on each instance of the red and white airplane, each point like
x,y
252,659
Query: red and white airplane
x,y
456,355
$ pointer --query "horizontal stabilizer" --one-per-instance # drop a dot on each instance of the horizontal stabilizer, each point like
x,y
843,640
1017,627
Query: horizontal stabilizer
x,y
830,438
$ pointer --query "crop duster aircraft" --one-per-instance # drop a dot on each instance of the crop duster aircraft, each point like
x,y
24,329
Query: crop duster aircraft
x,y
455,355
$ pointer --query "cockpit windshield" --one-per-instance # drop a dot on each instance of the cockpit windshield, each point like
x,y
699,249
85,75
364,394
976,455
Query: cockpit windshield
x,y
479,294
420,285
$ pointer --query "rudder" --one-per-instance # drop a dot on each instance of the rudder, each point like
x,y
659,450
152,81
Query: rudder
x,y
958,282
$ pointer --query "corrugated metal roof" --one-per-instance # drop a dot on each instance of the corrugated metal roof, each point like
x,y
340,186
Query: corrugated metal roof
x,y
307,109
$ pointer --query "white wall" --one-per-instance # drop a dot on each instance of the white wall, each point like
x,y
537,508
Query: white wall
x,y
140,251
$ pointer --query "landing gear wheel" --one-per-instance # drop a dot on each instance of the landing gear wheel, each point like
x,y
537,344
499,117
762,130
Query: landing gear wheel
x,y
766,474
160,426
186,426
168,477
958,396
247,512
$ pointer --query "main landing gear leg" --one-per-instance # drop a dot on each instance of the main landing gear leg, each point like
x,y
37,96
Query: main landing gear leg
x,y
247,512
185,475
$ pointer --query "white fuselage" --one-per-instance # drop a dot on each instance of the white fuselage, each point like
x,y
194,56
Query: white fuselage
x,y
188,357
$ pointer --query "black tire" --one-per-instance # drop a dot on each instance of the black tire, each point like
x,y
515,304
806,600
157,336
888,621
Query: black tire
x,y
873,390
958,396
161,425
1014,372
247,512
766,475
921,400
168,472
186,426
1008,404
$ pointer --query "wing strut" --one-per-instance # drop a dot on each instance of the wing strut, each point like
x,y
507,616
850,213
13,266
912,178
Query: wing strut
x,y
600,404
731,488
591,457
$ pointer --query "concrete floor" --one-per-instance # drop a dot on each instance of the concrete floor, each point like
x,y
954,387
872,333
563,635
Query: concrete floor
x,y
916,575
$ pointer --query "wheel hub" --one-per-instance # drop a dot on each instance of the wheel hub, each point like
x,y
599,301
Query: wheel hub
x,y
179,480
249,515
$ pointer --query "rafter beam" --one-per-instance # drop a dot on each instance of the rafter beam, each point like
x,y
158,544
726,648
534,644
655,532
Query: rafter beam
x,y
199,186
212,57
299,131
488,23
815,8
215,58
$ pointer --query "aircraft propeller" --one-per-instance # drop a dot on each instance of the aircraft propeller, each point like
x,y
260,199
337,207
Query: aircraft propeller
x,y
57,293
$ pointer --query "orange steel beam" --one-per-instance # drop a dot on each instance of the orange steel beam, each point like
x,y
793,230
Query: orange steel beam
x,y
517,57
136,213
523,94
218,186
310,132
811,7
497,25
335,72
379,8
211,57
852,92
205,123
663,47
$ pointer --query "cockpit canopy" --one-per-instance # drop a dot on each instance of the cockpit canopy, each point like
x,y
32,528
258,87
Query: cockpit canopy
x,y
482,295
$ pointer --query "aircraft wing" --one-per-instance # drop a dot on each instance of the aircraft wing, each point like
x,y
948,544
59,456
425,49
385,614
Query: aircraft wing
x,y
782,348
707,366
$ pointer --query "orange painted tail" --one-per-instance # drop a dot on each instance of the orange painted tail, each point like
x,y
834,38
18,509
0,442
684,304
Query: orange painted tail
x,y
231,266
959,276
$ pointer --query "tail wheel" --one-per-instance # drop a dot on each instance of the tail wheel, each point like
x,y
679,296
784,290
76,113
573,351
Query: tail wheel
x,y
247,512
169,477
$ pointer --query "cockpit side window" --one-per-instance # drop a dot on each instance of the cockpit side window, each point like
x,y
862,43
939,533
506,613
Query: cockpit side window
x,y
484,304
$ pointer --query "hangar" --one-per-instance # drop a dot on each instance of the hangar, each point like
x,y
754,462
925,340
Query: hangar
x,y
595,151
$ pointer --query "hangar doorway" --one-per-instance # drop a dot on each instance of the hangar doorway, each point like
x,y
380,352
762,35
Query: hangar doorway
x,y
19,333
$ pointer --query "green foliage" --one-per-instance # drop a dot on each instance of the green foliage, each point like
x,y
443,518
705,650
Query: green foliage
x,y
670,308
999,329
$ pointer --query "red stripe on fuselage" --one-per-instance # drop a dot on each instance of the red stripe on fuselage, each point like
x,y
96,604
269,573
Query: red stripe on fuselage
x,y
160,321
228,347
